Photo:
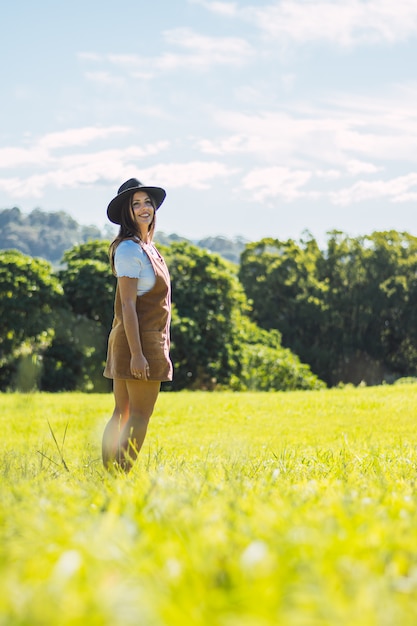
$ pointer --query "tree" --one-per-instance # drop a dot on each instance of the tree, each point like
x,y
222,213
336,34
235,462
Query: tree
x,y
29,300
283,284
349,321
64,359
267,365
215,345
205,292
392,269
89,287
350,311
96,249
88,282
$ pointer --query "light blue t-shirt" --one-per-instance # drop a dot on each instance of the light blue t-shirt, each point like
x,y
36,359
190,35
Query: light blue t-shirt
x,y
132,261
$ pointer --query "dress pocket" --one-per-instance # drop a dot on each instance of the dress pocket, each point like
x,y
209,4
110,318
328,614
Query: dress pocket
x,y
154,344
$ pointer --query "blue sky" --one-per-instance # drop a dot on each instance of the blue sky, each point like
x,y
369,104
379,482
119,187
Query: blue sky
x,y
260,118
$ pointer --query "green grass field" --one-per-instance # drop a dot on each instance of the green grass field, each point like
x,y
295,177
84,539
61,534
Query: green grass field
x,y
291,509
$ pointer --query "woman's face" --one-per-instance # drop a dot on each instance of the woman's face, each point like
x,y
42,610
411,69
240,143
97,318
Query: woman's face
x,y
143,210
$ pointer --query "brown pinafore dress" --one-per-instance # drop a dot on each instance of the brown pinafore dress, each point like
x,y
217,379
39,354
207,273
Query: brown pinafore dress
x,y
154,315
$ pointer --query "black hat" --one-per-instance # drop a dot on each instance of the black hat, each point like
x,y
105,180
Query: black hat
x,y
129,187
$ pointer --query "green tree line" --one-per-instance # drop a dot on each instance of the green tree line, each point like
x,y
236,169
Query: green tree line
x,y
290,315
349,311
54,325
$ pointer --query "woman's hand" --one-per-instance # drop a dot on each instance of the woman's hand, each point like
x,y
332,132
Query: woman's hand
x,y
139,367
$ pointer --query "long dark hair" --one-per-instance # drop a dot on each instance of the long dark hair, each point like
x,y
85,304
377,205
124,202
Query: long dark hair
x,y
129,228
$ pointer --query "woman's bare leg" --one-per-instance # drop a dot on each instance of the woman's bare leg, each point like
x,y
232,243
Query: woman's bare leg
x,y
111,435
142,399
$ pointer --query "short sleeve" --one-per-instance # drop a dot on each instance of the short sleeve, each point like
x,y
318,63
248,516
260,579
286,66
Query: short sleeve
x,y
128,259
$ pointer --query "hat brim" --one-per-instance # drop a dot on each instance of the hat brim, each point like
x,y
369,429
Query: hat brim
x,y
114,209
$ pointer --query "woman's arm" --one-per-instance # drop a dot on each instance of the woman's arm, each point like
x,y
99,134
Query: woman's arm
x,y
128,294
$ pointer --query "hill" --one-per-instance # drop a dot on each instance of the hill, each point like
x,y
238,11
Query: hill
x,y
48,235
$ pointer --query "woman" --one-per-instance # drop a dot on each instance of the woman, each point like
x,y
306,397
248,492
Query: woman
x,y
138,349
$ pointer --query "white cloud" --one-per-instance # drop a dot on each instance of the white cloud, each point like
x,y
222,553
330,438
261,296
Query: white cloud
x,y
204,51
266,184
328,174
104,161
406,197
40,152
80,136
398,189
270,182
356,135
191,51
71,169
16,157
11,185
354,167
76,170
344,23
192,175
20,187
230,145
273,136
